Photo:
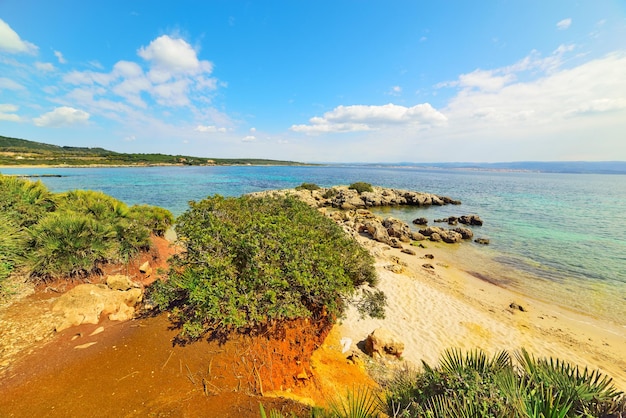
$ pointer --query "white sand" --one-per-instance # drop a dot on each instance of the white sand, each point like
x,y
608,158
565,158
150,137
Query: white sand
x,y
434,309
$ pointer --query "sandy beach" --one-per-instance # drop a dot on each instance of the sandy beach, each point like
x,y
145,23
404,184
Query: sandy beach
x,y
431,309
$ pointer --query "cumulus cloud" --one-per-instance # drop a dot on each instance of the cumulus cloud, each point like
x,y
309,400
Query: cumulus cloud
x,y
7,112
171,57
11,42
249,138
174,76
60,57
62,116
366,118
564,24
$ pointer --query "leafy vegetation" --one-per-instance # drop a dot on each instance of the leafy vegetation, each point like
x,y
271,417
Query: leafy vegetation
x,y
249,261
308,186
361,187
70,234
15,152
473,385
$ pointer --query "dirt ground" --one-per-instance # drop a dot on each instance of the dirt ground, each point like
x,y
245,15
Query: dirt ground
x,y
133,368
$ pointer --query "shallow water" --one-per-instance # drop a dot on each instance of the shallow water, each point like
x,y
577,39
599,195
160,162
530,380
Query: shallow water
x,y
558,237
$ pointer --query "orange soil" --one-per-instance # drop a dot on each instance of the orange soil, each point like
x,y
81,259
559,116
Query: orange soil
x,y
134,369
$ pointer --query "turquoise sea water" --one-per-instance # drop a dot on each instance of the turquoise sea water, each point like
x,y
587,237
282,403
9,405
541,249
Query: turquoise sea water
x,y
558,237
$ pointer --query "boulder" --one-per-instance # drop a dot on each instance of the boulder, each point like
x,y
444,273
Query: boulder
x,y
450,237
466,233
120,282
408,251
86,303
420,221
483,241
383,342
378,232
471,220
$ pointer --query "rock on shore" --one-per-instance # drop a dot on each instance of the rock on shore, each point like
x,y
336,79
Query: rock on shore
x,y
342,197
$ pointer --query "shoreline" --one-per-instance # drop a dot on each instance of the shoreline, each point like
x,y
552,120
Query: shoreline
x,y
431,310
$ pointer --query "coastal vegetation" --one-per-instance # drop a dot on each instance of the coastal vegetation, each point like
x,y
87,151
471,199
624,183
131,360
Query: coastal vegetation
x,y
71,234
361,187
470,384
249,261
17,152
308,186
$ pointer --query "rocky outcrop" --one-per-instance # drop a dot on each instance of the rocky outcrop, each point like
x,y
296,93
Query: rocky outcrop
x,y
354,217
87,303
383,342
439,234
347,199
465,220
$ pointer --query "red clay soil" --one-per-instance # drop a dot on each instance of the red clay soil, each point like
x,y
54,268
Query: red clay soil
x,y
133,369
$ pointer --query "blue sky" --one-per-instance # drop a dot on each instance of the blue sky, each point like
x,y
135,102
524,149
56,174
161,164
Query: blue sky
x,y
319,81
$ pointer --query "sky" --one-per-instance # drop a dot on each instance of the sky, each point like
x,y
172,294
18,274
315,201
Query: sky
x,y
319,81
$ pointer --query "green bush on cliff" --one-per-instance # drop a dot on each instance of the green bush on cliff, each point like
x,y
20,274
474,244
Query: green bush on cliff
x,y
308,186
248,261
157,219
361,187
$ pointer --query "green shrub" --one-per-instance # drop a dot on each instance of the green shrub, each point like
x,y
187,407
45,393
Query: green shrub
x,y
157,219
330,193
13,242
248,261
97,205
361,187
308,186
23,201
473,385
71,244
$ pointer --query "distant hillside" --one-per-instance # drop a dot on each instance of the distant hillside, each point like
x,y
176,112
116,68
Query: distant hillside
x,y
574,167
16,152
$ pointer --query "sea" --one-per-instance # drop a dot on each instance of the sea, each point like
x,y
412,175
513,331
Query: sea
x,y
556,237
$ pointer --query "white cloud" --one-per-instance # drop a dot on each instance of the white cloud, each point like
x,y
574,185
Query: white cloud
x,y
366,118
11,42
496,79
564,24
170,57
7,112
484,80
130,138
252,130
249,138
62,116
595,86
44,66
60,57
395,91
209,128
8,84
174,77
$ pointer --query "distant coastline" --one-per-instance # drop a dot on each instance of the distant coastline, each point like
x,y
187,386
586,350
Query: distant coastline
x,y
563,167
